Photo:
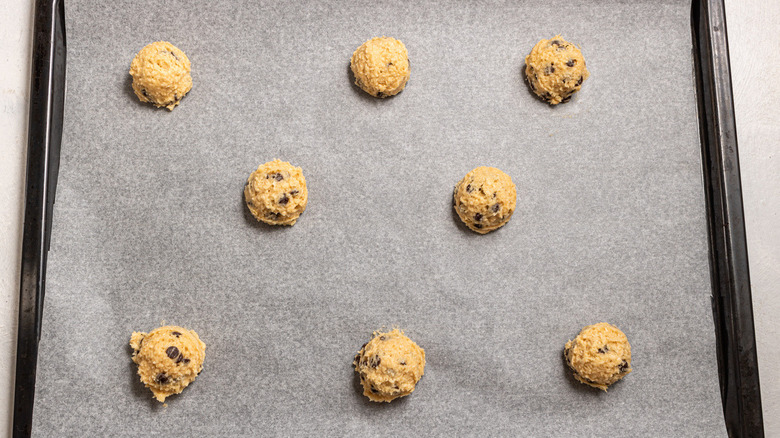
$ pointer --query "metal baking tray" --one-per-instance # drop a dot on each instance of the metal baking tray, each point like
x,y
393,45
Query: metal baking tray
x,y
731,297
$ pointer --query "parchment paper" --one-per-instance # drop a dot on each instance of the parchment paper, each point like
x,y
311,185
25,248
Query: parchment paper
x,y
150,223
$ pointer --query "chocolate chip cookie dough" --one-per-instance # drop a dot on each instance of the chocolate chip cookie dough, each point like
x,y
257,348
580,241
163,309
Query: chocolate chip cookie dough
x,y
600,355
381,66
485,199
555,70
161,74
276,193
390,365
168,358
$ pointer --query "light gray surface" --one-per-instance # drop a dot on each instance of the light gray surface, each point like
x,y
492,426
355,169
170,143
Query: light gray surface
x,y
150,223
758,131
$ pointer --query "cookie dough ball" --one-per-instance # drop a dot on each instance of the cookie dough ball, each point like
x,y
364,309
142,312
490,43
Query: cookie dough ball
x,y
168,358
485,199
390,365
276,193
555,70
381,66
600,355
161,74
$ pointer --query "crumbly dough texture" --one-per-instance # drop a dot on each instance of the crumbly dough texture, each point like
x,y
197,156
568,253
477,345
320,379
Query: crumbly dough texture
x,y
600,355
381,66
555,70
485,199
276,193
168,358
161,74
390,365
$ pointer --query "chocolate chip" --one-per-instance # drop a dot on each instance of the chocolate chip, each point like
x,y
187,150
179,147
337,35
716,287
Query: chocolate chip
x,y
496,208
469,189
389,64
172,352
161,378
478,226
283,200
556,43
550,69
382,338
293,192
374,390
623,366
279,177
603,349
175,97
179,359
186,361
478,217
174,55
579,82
375,361
379,94
403,362
571,62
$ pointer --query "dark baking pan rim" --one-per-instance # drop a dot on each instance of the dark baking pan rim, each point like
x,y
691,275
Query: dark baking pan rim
x,y
44,135
731,296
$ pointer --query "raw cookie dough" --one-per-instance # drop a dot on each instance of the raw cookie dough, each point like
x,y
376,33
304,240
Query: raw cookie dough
x,y
390,365
485,199
555,70
381,66
161,74
600,355
276,193
168,358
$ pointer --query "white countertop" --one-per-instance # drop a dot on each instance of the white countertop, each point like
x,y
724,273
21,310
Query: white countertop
x,y
754,42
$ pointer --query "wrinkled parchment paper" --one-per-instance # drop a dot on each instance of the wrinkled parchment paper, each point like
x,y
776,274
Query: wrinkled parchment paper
x,y
150,223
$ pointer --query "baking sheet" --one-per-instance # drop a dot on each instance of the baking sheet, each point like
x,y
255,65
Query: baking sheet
x,y
150,226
